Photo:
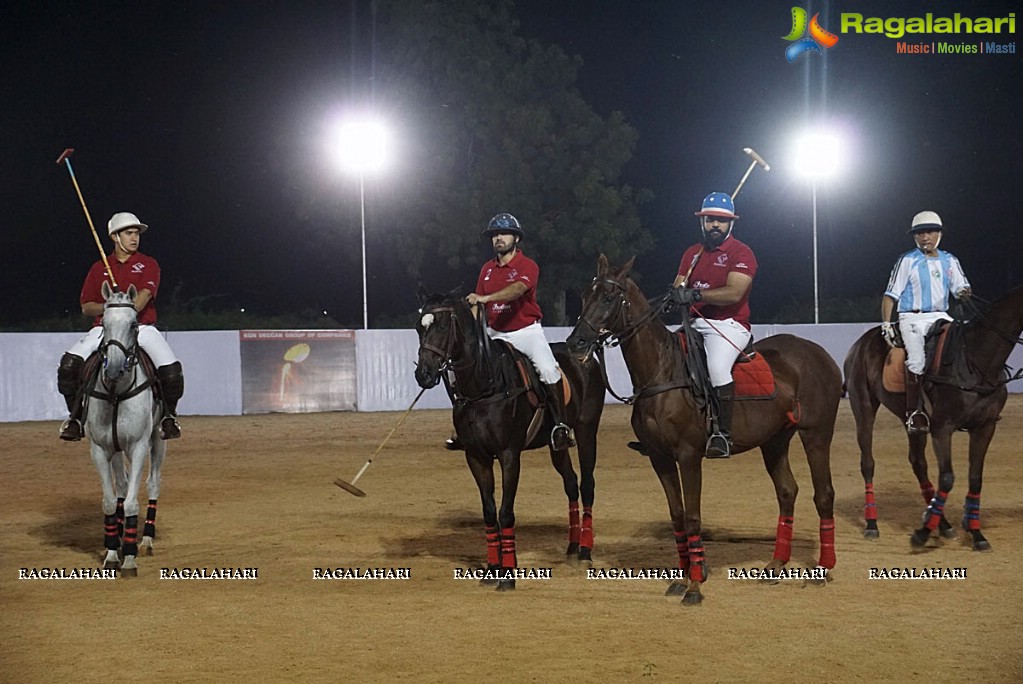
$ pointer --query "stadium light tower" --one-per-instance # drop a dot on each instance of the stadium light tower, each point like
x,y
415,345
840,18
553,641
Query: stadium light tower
x,y
361,146
818,156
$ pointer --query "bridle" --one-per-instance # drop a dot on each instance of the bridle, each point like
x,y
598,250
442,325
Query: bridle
x,y
481,362
131,355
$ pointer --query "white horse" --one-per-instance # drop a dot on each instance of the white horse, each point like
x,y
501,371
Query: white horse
x,y
122,423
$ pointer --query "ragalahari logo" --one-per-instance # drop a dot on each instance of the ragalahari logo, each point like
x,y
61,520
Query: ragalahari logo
x,y
818,37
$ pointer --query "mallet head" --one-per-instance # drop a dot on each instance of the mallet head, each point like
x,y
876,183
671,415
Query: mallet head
x,y
65,154
757,158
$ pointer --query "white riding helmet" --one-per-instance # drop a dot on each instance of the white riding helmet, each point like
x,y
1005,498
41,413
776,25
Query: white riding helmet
x,y
925,221
123,220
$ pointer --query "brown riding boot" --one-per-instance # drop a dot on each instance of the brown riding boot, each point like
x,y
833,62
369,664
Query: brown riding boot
x,y
719,444
561,436
917,421
68,383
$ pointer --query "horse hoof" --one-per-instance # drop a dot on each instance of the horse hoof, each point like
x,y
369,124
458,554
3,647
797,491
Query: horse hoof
x,y
692,598
919,538
982,545
676,588
870,534
129,572
573,549
506,585
585,554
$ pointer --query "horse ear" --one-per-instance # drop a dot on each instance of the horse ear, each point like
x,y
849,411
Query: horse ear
x,y
105,290
421,294
132,292
456,292
602,265
627,266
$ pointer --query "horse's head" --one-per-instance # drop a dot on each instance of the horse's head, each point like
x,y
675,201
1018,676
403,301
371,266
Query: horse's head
x,y
441,333
605,308
119,348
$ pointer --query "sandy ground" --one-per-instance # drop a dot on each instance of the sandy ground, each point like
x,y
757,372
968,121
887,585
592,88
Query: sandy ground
x,y
257,492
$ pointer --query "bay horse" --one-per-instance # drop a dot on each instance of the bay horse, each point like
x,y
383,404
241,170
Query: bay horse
x,y
668,421
122,423
493,410
967,392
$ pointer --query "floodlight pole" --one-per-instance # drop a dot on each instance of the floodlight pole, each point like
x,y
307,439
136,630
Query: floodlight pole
x,y
816,301
362,214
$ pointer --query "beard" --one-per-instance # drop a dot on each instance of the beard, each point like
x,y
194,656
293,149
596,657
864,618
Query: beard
x,y
714,238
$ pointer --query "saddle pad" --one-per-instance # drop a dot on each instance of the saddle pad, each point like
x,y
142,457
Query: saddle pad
x,y
531,380
752,375
893,378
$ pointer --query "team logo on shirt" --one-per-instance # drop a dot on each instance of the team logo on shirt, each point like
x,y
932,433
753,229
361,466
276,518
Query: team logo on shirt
x,y
138,267
722,260
743,265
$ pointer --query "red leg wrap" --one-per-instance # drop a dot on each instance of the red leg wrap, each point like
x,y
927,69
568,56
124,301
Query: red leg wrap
x,y
683,550
783,539
508,548
586,539
696,558
870,507
935,510
573,522
827,543
493,547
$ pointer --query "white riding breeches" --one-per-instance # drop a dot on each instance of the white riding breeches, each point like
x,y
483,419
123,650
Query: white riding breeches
x,y
150,339
533,343
914,328
723,341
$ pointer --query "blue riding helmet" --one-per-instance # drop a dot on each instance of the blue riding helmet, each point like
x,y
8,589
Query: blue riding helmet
x,y
718,204
504,223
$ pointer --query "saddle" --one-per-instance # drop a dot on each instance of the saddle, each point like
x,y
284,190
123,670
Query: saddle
x,y
751,372
526,375
893,377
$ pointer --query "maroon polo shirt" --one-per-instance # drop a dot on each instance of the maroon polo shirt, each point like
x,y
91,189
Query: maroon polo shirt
x,y
711,272
139,270
520,312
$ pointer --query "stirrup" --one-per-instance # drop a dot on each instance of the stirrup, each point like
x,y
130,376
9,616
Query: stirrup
x,y
169,428
71,430
719,445
453,444
918,423
561,437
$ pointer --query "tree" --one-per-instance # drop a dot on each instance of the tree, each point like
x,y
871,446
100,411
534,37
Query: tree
x,y
496,123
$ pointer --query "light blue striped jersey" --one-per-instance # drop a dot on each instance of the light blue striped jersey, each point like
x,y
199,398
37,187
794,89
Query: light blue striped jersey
x,y
922,283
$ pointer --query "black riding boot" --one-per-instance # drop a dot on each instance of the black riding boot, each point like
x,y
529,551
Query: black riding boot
x,y
561,435
172,386
68,383
916,419
719,445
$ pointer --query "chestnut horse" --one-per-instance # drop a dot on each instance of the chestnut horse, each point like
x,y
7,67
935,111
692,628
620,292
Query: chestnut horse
x,y
967,392
493,414
667,420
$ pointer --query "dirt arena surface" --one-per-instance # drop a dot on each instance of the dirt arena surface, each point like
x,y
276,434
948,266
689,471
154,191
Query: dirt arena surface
x,y
244,492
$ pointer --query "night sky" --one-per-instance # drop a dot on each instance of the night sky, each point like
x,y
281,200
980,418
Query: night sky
x,y
207,119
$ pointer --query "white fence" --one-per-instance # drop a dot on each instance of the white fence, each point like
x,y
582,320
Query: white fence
x,y
213,369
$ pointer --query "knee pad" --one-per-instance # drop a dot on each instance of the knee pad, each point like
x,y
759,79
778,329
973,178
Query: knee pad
x,y
68,373
172,381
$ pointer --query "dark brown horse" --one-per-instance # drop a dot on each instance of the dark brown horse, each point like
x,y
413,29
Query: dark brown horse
x,y
493,415
966,393
667,420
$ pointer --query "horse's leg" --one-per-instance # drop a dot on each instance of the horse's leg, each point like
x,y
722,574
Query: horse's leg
x,y
776,460
510,466
980,439
942,442
918,462
691,468
482,468
817,445
667,473
120,487
159,450
111,539
563,464
586,448
137,458
864,407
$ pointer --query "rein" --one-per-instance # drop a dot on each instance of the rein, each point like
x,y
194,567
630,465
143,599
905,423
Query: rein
x,y
982,317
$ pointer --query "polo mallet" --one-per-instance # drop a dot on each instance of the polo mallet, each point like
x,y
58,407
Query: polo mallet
x,y
757,159
350,486
65,157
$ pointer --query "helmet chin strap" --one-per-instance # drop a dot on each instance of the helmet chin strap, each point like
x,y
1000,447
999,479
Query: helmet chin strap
x,y
706,238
